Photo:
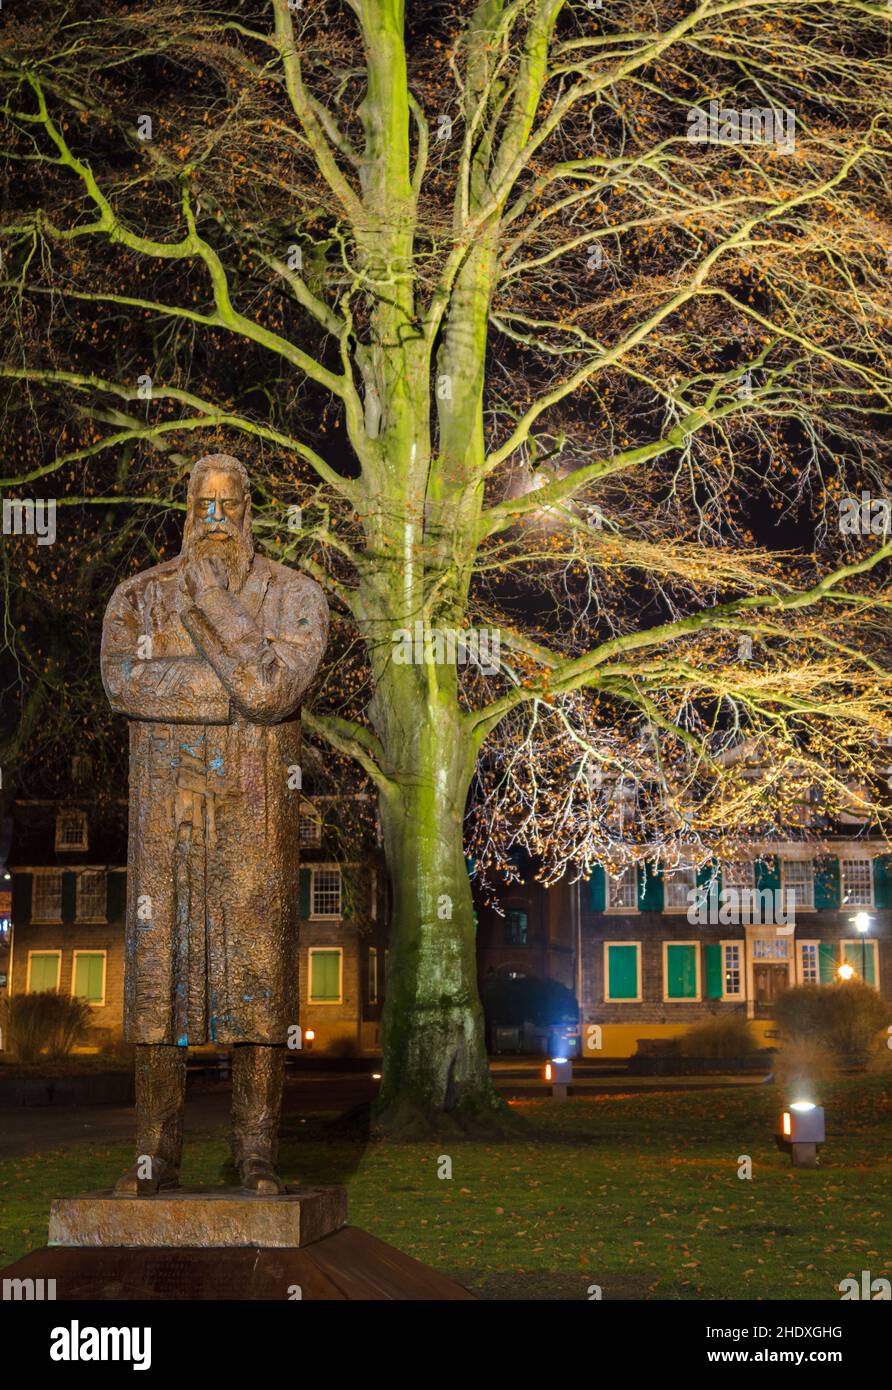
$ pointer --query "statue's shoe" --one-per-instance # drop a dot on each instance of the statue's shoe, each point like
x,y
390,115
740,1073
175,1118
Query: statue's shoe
x,y
258,1175
130,1184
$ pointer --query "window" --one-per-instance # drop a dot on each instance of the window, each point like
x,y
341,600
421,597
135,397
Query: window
x,y
71,830
739,875
46,897
799,882
622,972
44,968
767,948
681,970
516,927
732,970
861,954
326,893
809,969
680,889
373,975
856,881
622,891
91,896
325,975
310,825
88,976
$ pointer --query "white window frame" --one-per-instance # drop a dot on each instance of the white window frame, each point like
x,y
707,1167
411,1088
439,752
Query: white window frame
x,y
309,816
80,915
789,887
672,880
38,952
630,872
66,846
326,916
35,915
872,944
740,947
639,982
801,943
688,998
855,859
324,1003
738,885
94,1003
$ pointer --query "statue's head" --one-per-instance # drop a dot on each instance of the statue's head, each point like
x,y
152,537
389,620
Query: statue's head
x,y
218,515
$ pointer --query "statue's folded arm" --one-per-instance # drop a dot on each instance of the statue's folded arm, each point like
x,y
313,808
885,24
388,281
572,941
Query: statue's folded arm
x,y
170,689
264,674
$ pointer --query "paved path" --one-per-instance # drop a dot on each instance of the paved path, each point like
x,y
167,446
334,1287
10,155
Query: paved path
x,y
35,1129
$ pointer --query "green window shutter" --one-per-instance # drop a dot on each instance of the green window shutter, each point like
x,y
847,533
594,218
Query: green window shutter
x,y
116,902
853,957
827,962
827,883
304,893
69,897
709,875
21,899
44,969
681,971
325,974
88,977
650,889
714,970
622,972
768,874
882,874
597,887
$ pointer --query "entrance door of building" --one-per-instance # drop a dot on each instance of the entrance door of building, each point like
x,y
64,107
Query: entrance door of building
x,y
768,982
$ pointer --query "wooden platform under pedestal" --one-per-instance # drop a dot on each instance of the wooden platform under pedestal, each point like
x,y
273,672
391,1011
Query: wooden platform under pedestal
x,y
349,1264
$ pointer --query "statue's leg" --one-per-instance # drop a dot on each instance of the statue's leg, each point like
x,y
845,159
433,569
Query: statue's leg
x,y
258,1075
160,1096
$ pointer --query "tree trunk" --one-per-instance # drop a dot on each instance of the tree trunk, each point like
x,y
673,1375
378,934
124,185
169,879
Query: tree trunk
x,y
436,1076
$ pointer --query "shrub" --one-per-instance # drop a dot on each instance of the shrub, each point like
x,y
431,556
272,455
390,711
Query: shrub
x,y
845,1017
45,1023
803,1066
718,1037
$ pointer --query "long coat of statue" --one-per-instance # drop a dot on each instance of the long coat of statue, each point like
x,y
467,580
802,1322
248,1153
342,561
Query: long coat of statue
x,y
208,682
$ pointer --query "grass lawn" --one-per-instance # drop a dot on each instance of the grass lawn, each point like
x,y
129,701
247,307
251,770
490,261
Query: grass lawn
x,y
636,1193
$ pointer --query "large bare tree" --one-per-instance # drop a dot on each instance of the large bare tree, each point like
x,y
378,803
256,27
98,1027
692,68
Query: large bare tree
x,y
543,312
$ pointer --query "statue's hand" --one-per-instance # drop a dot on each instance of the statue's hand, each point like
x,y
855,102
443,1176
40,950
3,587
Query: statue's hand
x,y
205,573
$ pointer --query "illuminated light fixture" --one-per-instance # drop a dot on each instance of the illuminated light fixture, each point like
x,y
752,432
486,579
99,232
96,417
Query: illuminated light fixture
x,y
861,921
802,1131
846,971
376,1076
559,1071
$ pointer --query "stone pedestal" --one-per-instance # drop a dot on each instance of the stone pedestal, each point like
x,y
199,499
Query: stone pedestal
x,y
218,1244
198,1218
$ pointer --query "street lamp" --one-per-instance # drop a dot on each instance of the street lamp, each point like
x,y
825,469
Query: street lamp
x,y
559,1072
802,1131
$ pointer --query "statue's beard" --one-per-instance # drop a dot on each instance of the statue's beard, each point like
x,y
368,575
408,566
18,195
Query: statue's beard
x,y
236,556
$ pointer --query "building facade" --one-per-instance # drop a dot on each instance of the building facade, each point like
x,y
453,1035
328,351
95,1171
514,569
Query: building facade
x,y
661,952
65,928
